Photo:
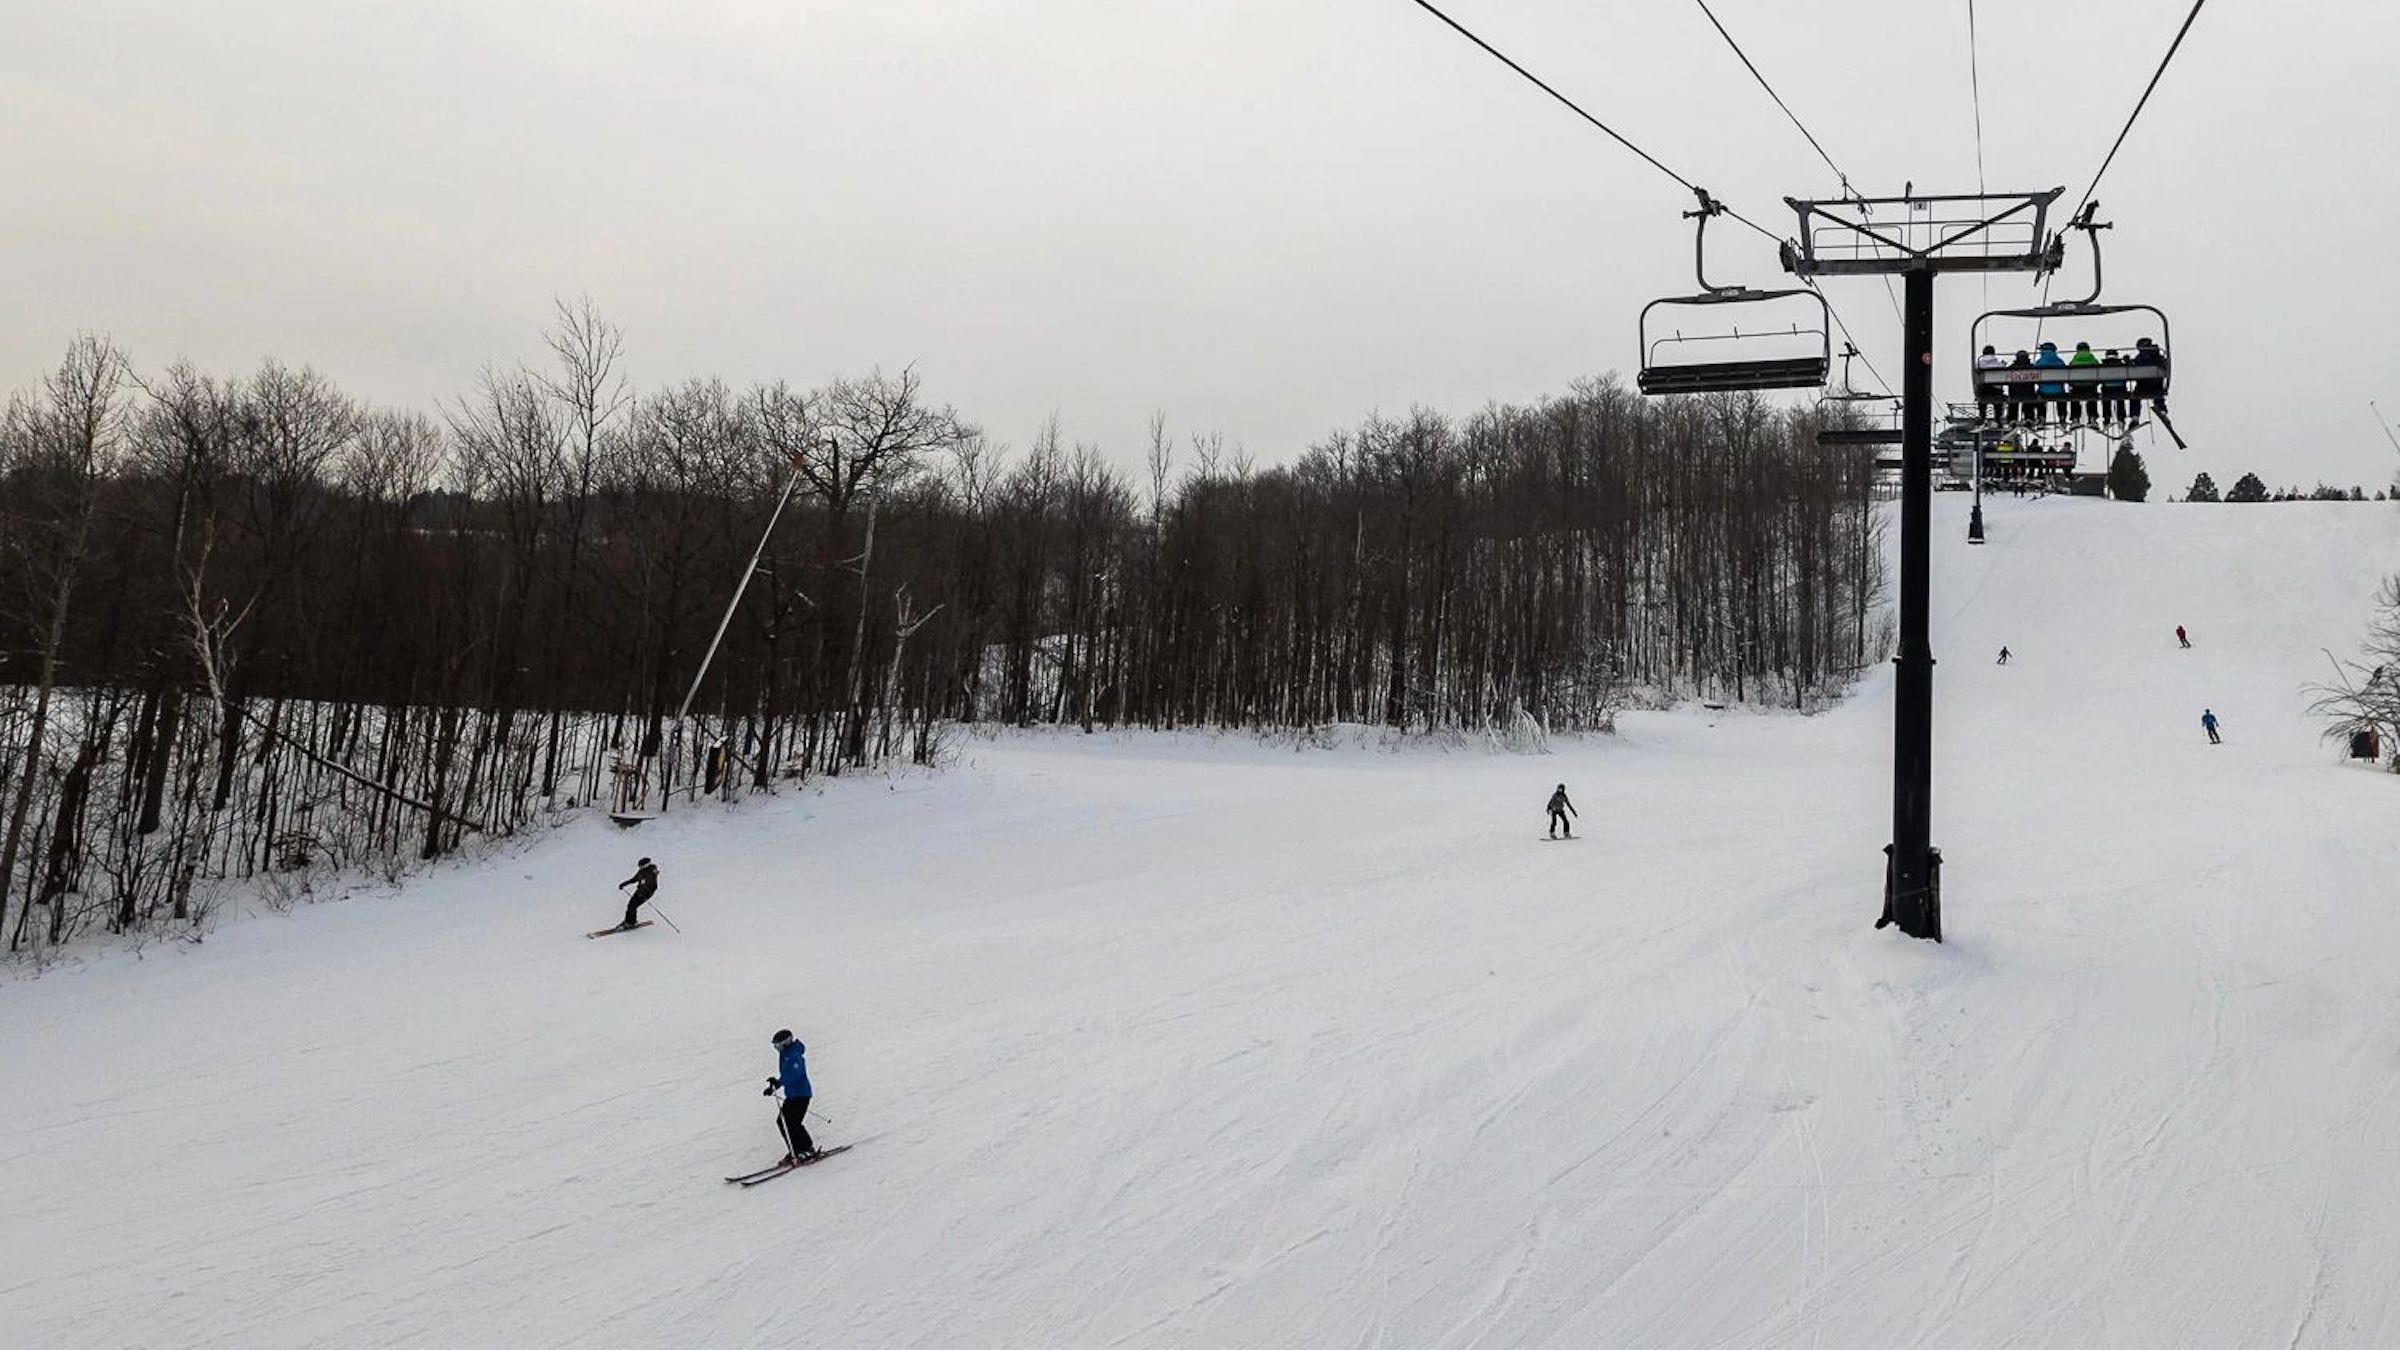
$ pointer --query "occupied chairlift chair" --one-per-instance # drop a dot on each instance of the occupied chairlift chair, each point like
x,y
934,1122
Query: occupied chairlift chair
x,y
1711,377
2014,386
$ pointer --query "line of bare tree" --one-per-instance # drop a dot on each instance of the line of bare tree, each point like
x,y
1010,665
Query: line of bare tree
x,y
251,627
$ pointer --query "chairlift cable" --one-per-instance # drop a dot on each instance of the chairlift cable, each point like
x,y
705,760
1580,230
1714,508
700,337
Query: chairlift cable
x,y
2139,104
1975,92
2127,129
1894,297
1572,106
1652,160
1844,179
2383,426
1862,356
1813,144
1752,67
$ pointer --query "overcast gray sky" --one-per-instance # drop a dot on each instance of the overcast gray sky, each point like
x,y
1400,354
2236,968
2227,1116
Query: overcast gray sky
x,y
1263,217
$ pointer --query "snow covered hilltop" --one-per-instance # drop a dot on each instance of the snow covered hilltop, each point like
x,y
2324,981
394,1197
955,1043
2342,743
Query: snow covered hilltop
x,y
1174,1040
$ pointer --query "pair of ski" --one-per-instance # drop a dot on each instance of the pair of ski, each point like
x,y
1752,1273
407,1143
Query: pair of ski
x,y
767,1174
618,929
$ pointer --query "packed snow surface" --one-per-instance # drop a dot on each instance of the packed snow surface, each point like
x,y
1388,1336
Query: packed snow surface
x,y
1182,1041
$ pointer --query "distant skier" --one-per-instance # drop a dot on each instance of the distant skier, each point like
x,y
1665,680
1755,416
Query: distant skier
x,y
2003,656
645,884
1560,809
2179,636
2208,723
791,1075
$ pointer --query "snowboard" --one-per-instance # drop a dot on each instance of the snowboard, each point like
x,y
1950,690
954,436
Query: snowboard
x,y
606,931
1554,839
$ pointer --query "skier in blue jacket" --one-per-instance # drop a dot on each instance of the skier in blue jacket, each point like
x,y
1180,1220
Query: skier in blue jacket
x,y
2208,723
791,1075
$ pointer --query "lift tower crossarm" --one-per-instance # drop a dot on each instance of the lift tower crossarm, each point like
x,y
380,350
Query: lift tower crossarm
x,y
1890,253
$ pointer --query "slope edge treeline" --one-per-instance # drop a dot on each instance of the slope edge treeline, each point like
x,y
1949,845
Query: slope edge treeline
x,y
251,626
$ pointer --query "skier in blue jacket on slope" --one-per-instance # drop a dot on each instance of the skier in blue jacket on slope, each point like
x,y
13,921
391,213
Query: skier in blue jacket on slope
x,y
791,1066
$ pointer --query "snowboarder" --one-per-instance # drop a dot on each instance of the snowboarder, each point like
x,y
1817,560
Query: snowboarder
x,y
791,1076
2004,656
1560,809
2179,636
645,884
2208,723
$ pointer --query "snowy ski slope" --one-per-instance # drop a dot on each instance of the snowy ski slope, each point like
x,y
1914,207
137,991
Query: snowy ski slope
x,y
1151,1041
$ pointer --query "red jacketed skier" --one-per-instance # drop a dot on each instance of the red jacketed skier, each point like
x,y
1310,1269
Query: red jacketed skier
x,y
2179,636
791,1075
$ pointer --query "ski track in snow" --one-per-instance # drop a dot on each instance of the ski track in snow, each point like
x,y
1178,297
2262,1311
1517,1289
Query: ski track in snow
x,y
1182,1040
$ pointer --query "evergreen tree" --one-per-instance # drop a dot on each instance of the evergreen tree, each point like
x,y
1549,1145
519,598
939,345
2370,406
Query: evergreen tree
x,y
2128,481
2247,489
2204,489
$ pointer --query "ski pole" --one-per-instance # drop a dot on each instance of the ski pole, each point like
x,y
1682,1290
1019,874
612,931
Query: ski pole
x,y
813,1112
663,915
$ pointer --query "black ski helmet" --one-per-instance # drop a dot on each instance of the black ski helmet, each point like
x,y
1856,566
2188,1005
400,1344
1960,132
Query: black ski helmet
x,y
783,1038
643,863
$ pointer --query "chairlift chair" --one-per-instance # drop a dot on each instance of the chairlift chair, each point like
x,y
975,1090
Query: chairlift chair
x,y
1877,427
1730,376
2143,380
1873,428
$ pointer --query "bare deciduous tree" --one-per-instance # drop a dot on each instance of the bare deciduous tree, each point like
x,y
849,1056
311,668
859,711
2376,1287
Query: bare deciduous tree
x,y
57,449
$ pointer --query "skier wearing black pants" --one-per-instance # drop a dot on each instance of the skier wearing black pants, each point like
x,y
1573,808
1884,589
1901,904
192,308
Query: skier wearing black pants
x,y
645,884
1560,809
791,1075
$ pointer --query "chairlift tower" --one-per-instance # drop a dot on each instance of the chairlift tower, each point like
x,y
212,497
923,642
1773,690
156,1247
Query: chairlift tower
x,y
1918,238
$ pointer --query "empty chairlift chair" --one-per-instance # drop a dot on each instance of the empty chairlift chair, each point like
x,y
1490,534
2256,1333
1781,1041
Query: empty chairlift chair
x,y
1796,355
1661,374
1848,417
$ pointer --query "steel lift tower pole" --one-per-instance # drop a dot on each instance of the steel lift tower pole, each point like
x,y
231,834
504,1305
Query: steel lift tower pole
x,y
1920,238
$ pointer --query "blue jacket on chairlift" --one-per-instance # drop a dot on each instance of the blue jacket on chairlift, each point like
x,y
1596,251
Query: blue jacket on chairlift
x,y
2046,359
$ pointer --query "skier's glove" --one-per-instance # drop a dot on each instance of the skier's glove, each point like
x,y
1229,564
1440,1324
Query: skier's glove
x,y
772,1084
